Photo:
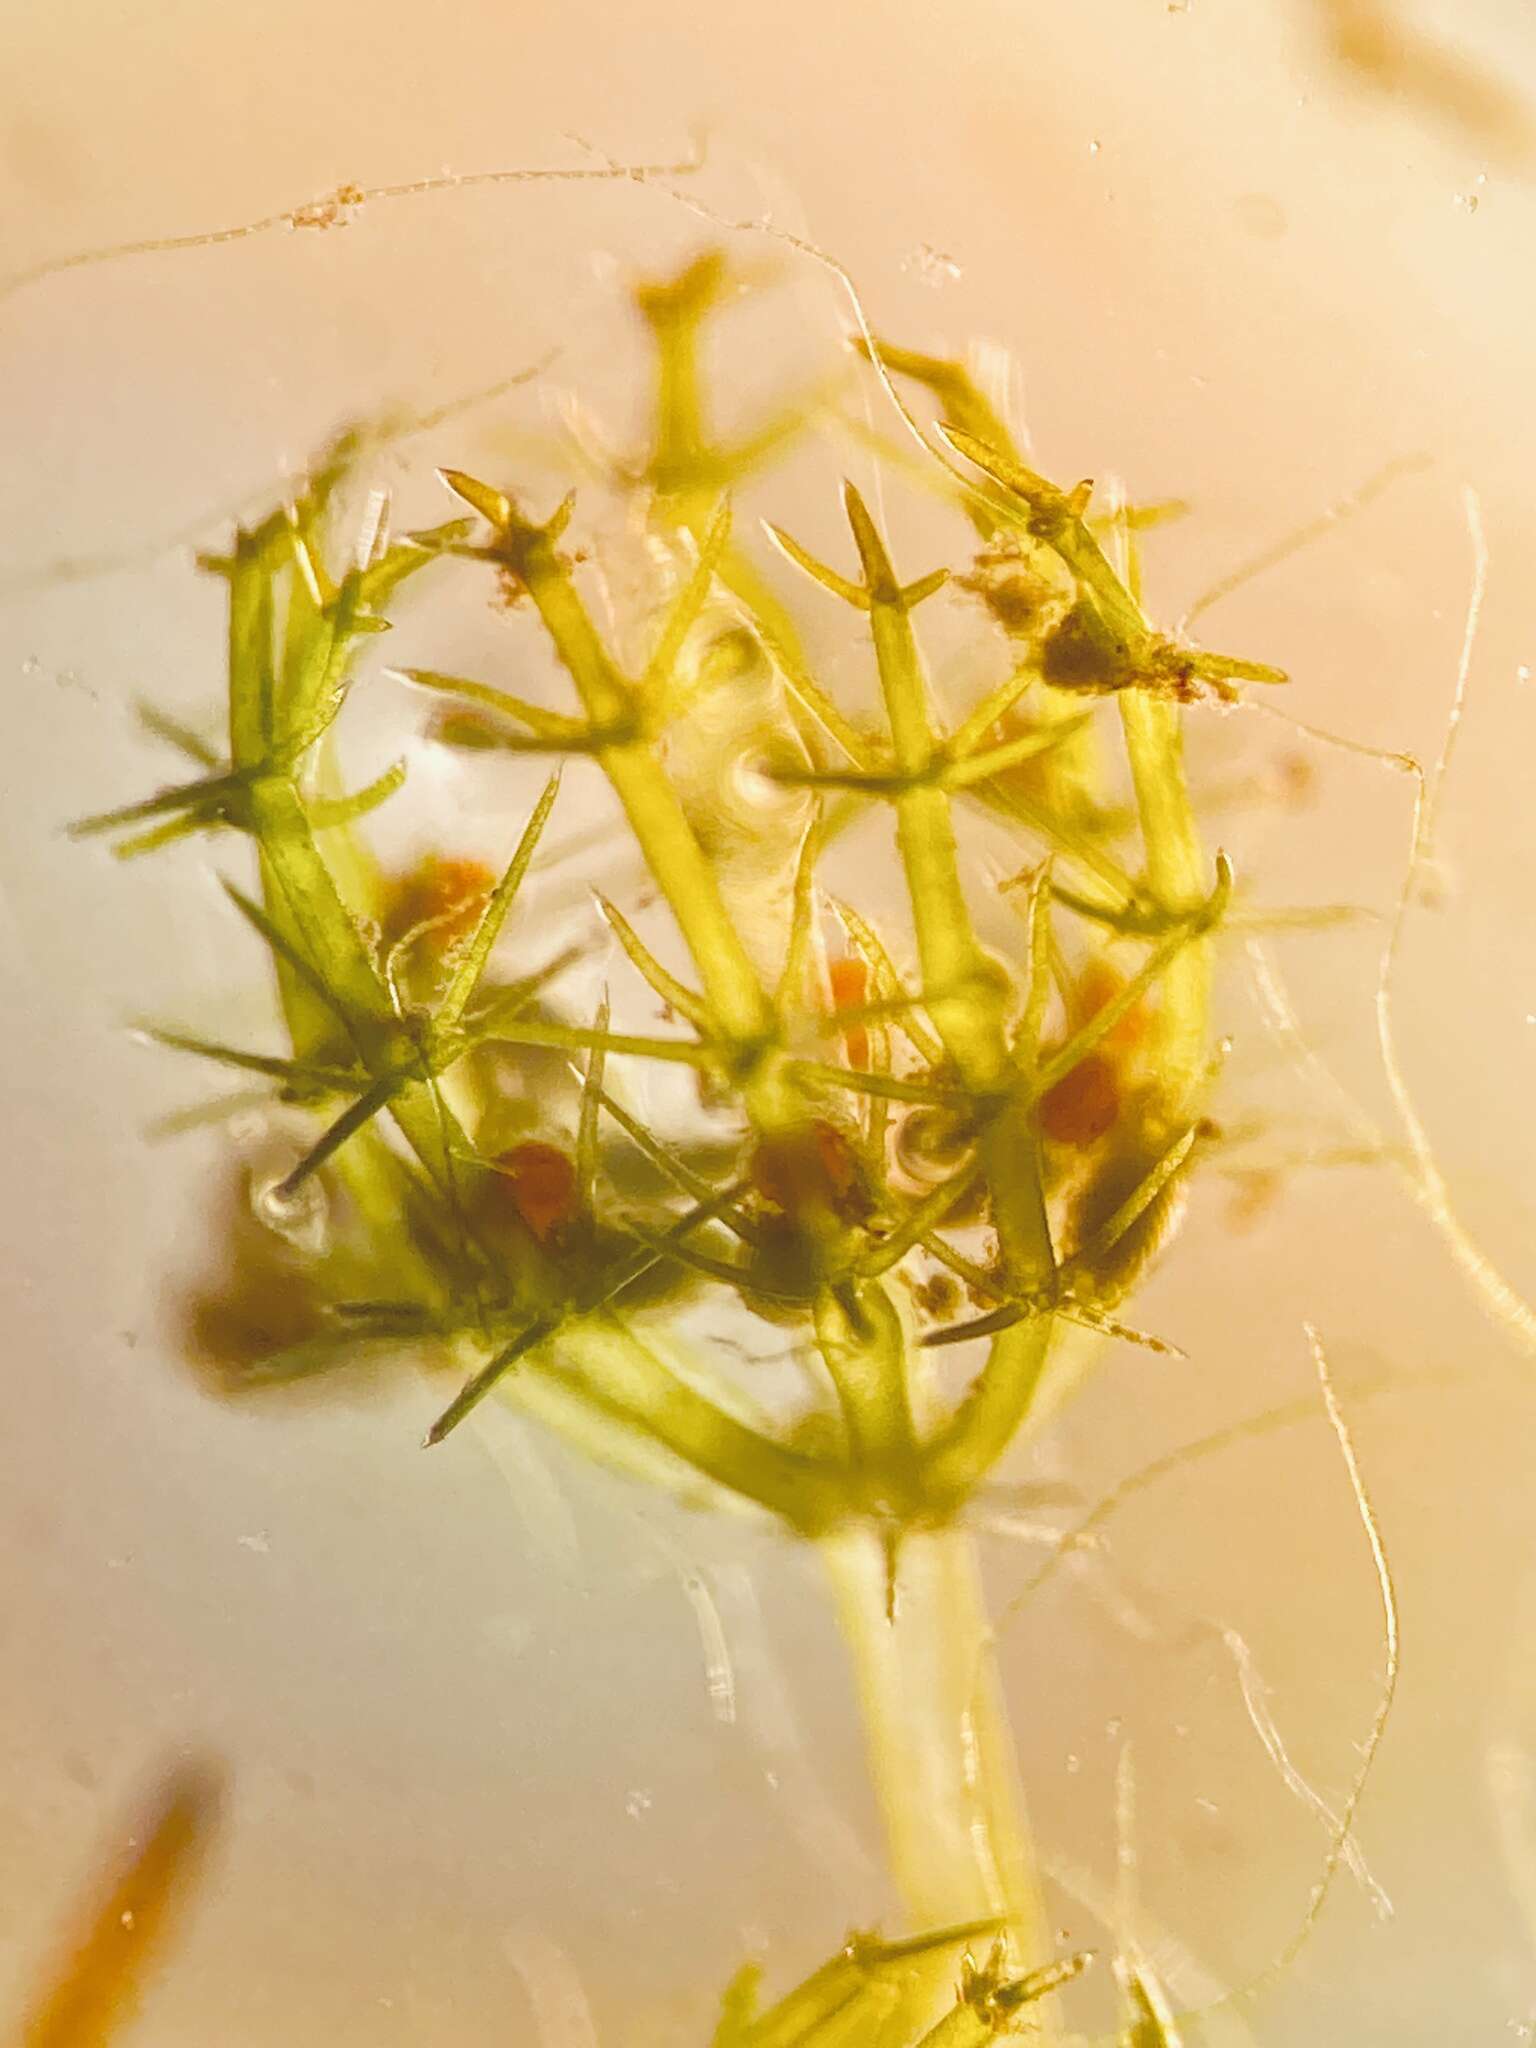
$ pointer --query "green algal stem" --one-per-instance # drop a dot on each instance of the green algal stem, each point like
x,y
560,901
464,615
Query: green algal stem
x,y
1154,742
267,703
939,1750
1176,874
968,1006
675,311
687,472
865,1347
677,862
302,898
625,1382
617,1377
960,1457
938,1739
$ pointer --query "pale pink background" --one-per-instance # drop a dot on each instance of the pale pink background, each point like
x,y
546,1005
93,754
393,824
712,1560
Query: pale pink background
x,y
467,1740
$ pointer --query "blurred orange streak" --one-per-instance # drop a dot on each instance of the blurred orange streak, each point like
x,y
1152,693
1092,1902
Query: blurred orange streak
x,y
97,1987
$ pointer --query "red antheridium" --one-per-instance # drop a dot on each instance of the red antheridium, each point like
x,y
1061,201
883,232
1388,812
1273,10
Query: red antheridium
x,y
1096,988
848,980
442,897
1085,1104
538,1182
812,1175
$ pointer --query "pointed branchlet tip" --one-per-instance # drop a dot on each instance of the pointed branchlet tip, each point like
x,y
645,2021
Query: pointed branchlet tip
x,y
868,1950
818,571
913,593
1221,894
1150,2013
880,585
739,2006
879,575
481,1383
500,510
994,1996
494,506
869,346
515,535
1038,492
248,545
1159,921
880,579
1223,671
688,294
316,582
1052,512
560,518
937,372
717,533
447,1422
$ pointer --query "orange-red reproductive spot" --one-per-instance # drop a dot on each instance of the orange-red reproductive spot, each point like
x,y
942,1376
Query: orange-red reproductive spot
x,y
1083,1104
809,1170
849,980
540,1181
1097,987
446,892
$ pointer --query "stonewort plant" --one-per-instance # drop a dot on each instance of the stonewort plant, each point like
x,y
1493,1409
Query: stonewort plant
x,y
931,1140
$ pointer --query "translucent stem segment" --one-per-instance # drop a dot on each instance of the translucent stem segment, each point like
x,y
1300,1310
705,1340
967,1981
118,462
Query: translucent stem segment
x,y
1154,742
969,1003
677,862
937,1739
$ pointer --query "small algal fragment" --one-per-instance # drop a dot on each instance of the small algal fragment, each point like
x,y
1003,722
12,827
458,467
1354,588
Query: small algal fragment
x,y
932,266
